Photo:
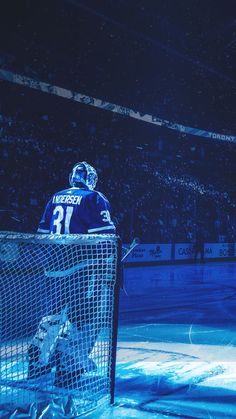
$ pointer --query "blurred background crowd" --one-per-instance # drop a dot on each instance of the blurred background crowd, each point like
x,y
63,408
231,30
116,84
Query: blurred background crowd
x,y
161,188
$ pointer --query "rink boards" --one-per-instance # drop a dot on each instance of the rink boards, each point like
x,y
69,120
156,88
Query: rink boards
x,y
179,251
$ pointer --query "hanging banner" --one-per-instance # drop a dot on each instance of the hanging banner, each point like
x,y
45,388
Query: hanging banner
x,y
111,107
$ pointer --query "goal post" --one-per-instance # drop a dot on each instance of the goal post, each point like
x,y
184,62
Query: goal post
x,y
58,321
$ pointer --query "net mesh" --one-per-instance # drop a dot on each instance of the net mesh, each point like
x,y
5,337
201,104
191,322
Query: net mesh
x,y
56,319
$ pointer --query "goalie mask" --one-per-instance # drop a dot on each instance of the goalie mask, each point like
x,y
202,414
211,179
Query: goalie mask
x,y
83,173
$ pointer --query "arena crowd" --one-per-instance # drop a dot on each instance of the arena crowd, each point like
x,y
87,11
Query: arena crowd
x,y
161,193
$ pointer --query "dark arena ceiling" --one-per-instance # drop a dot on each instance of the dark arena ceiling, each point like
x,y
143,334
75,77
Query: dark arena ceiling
x,y
172,58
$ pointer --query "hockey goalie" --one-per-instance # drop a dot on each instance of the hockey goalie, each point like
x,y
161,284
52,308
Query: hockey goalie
x,y
65,338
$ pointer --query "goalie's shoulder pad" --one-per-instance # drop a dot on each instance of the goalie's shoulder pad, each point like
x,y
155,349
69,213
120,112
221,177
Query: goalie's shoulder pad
x,y
99,196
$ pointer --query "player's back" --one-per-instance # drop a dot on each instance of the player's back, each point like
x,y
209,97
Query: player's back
x,y
69,211
77,210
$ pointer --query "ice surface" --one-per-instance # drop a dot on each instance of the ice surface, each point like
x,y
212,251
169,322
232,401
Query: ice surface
x,y
176,346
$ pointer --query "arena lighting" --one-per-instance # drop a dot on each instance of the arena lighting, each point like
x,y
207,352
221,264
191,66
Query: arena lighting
x,y
172,180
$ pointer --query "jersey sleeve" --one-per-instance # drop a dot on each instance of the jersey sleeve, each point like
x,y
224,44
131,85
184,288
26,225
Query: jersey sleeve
x,y
99,215
44,225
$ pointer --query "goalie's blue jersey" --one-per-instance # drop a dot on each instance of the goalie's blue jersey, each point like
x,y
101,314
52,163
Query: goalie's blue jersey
x,y
77,210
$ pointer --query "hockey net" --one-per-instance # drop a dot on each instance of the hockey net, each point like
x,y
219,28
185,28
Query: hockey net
x,y
58,322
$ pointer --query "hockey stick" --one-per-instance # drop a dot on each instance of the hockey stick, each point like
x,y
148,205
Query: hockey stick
x,y
135,242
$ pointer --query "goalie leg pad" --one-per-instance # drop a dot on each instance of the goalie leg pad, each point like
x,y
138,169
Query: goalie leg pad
x,y
41,351
73,351
35,369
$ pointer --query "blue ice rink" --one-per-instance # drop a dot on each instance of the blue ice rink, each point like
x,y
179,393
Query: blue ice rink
x,y
177,343
176,353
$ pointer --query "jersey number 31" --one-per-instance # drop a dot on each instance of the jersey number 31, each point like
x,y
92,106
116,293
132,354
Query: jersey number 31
x,y
61,215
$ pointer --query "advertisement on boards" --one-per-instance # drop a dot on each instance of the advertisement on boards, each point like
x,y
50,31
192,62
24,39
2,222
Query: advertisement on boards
x,y
219,250
181,251
150,253
184,251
